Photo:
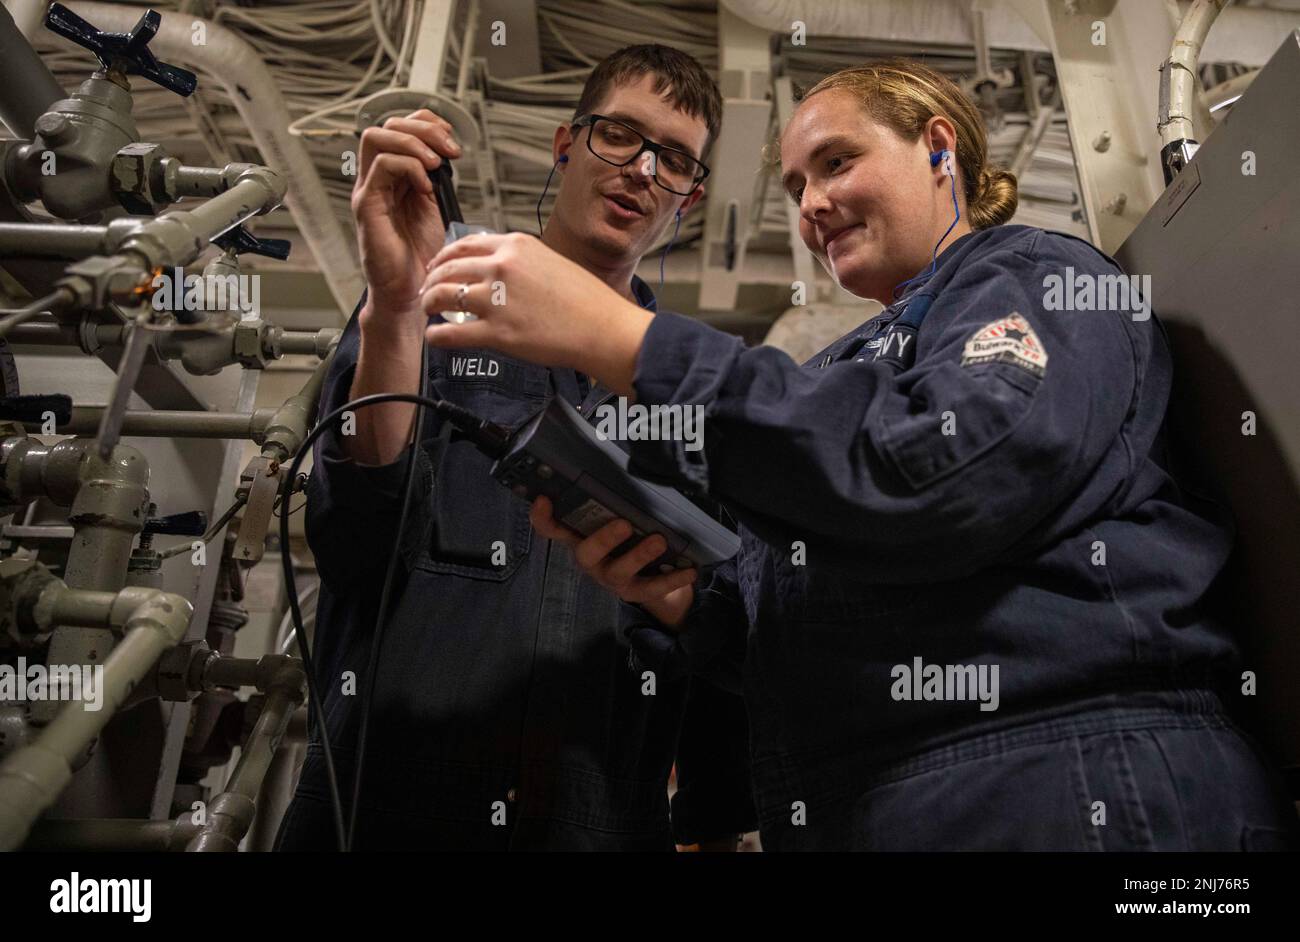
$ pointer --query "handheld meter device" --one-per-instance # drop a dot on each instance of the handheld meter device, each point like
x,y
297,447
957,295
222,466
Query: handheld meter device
x,y
557,453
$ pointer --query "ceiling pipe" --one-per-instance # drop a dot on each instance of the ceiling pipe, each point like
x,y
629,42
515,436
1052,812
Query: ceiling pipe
x,y
1225,93
27,87
1249,35
1179,84
27,14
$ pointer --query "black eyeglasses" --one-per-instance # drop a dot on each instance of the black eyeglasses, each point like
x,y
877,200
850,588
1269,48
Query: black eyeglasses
x,y
616,143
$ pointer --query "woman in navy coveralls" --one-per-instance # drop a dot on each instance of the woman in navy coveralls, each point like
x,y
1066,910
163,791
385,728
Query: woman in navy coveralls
x,y
970,594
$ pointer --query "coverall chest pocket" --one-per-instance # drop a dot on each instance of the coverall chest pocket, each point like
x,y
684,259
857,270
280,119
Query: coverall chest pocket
x,y
478,528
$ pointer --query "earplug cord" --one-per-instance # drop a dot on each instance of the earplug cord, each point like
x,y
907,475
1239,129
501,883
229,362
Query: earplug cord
x,y
934,256
564,159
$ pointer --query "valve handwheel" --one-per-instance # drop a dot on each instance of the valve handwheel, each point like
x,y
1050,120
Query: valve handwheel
x,y
126,52
242,242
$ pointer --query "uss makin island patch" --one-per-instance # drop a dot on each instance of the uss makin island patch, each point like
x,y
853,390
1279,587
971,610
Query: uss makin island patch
x,y
1009,339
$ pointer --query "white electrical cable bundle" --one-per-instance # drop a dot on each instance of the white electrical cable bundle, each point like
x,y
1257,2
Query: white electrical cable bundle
x,y
350,99
582,32
329,55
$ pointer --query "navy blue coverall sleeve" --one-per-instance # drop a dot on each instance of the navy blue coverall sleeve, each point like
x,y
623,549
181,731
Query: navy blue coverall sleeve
x,y
925,474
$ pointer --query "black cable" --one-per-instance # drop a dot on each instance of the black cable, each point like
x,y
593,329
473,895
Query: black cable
x,y
489,437
543,196
381,620
291,586
444,191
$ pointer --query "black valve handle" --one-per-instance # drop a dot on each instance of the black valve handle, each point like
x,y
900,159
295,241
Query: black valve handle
x,y
242,242
128,52
33,408
189,523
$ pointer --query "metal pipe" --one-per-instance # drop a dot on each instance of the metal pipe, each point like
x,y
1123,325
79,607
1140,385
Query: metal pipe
x,y
231,813
107,513
173,239
254,93
84,607
225,671
294,419
48,240
169,423
198,181
169,345
1227,92
112,834
44,334
53,302
32,778
241,202
316,342
109,499
179,237
467,50
27,86
254,190
90,337
1034,135
296,731
28,15
276,795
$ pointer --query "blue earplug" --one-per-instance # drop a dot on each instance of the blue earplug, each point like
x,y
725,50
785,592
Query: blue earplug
x,y
936,156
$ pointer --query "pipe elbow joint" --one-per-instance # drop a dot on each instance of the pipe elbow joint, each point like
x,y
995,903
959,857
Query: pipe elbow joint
x,y
275,184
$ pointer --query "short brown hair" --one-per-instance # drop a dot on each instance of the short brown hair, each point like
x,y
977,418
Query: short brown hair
x,y
903,94
688,85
